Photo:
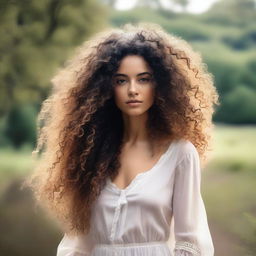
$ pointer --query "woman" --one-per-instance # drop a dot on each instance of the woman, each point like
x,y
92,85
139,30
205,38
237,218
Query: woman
x,y
123,134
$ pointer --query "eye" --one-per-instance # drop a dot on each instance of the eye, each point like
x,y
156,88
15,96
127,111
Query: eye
x,y
144,80
120,81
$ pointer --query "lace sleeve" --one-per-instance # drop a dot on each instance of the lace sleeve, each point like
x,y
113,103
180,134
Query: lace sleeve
x,y
183,248
192,234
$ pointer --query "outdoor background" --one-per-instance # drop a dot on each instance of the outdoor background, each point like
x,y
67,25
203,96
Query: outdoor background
x,y
36,37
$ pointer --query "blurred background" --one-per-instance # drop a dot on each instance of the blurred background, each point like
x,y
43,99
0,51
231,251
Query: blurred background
x,y
38,36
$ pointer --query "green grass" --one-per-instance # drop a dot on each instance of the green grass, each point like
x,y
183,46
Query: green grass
x,y
229,181
14,163
234,148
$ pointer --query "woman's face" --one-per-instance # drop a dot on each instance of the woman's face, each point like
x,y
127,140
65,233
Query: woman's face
x,y
134,86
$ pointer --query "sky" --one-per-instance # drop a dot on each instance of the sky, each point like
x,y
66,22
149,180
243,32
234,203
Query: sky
x,y
195,6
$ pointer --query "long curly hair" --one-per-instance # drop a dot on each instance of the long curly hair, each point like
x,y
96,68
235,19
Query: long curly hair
x,y
80,128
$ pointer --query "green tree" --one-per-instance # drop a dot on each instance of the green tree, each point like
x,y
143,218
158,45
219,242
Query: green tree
x,y
182,3
110,3
238,106
21,125
234,11
248,76
158,4
36,37
155,4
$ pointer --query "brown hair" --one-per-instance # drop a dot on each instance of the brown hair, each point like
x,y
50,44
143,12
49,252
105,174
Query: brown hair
x,y
80,128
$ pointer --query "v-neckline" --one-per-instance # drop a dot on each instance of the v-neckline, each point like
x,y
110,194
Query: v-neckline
x,y
140,174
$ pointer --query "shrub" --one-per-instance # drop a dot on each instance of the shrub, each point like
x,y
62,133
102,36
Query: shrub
x,y
21,125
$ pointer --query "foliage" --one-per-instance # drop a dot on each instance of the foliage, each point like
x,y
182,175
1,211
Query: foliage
x,y
239,104
37,37
233,12
20,125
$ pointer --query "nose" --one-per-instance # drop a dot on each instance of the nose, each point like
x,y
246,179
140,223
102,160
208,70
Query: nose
x,y
133,88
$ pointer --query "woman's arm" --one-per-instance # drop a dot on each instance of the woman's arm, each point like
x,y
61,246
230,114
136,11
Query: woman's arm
x,y
192,234
74,246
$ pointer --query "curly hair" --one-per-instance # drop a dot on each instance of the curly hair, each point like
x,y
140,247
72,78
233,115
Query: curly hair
x,y
80,128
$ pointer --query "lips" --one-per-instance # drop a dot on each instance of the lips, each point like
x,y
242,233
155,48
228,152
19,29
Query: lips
x,y
133,101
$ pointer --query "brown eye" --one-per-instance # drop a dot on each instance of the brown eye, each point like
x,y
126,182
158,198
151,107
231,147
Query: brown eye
x,y
144,80
120,81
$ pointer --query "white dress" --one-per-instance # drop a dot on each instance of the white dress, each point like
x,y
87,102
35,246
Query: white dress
x,y
136,221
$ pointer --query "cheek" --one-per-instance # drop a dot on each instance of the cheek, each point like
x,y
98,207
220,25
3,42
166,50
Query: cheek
x,y
150,96
118,95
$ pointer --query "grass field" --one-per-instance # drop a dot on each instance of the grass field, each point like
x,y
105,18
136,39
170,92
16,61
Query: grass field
x,y
14,163
228,188
235,148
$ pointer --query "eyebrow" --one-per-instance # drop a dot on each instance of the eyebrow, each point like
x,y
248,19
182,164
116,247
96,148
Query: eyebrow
x,y
140,74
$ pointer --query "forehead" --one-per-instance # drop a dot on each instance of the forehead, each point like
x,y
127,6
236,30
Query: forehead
x,y
133,64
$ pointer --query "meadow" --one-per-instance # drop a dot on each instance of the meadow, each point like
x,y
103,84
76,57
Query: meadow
x,y
228,190
228,187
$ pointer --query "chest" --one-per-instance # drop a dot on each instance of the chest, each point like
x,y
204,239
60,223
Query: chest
x,y
132,163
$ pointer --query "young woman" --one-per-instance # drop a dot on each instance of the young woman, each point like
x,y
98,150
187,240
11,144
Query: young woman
x,y
123,137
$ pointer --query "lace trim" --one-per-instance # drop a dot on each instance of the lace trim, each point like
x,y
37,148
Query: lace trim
x,y
182,245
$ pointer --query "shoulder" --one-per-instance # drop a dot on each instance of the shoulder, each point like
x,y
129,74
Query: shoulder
x,y
186,150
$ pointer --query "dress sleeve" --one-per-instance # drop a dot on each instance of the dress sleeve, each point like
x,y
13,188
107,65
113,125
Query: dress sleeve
x,y
78,245
192,234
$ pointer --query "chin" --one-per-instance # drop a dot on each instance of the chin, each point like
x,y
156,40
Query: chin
x,y
134,112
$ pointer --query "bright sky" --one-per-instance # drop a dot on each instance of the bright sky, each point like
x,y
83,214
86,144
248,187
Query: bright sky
x,y
194,6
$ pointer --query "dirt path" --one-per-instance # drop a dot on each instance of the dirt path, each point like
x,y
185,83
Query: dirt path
x,y
225,243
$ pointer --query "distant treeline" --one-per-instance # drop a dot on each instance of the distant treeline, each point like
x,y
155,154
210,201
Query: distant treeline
x,y
38,36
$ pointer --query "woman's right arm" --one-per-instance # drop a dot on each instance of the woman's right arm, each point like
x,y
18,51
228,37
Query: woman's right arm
x,y
79,245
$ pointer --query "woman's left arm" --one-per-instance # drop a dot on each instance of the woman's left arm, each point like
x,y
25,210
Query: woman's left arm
x,y
192,234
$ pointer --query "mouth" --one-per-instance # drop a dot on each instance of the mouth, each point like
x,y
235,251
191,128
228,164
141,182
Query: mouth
x,y
133,101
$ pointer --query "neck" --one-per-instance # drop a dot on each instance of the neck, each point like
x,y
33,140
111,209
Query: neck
x,y
135,129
